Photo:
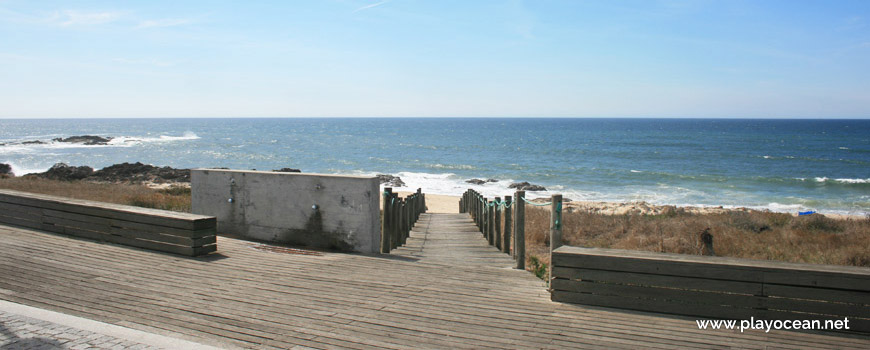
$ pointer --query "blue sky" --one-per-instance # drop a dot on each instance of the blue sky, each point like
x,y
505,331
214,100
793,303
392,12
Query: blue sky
x,y
749,59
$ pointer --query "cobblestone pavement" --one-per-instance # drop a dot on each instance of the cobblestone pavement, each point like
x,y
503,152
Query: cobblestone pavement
x,y
25,333
49,330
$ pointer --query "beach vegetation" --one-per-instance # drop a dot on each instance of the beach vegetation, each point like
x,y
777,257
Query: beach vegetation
x,y
175,198
750,234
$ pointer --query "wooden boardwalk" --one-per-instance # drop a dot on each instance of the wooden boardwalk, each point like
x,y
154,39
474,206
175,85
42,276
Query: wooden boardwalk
x,y
451,239
444,290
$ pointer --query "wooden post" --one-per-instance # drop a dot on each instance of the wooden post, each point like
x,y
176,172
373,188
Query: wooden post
x,y
506,247
394,221
419,200
385,222
490,224
409,203
520,229
555,229
484,219
497,222
405,220
481,202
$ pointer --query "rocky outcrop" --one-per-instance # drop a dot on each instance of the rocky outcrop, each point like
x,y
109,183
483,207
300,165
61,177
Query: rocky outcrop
x,y
64,172
391,180
138,172
525,186
6,170
287,170
85,140
35,142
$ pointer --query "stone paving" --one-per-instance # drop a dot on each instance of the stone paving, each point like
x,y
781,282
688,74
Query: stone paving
x,y
25,333
48,330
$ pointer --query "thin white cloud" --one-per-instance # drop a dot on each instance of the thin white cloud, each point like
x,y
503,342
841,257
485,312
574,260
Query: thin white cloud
x,y
163,23
370,6
71,18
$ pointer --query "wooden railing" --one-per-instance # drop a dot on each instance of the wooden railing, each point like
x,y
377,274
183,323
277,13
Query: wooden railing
x,y
502,222
173,232
398,216
712,287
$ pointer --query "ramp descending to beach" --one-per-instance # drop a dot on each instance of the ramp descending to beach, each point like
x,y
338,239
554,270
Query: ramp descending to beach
x,y
451,239
447,288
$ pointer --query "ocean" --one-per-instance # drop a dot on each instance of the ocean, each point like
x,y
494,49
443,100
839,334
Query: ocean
x,y
781,165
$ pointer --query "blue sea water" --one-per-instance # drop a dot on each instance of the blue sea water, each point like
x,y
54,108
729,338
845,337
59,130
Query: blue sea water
x,y
783,165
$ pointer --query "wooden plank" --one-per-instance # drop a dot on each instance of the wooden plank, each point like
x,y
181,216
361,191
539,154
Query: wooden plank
x,y
838,277
165,230
818,307
11,220
654,294
835,295
20,211
751,288
101,226
658,266
115,211
662,306
102,236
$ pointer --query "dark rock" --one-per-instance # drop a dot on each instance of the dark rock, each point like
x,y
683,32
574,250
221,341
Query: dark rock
x,y
476,181
85,139
37,142
491,180
138,172
6,170
287,170
61,171
525,186
391,180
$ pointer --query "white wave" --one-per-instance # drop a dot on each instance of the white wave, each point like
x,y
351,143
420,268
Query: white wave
x,y
636,171
19,170
843,181
450,166
844,147
128,140
853,181
767,157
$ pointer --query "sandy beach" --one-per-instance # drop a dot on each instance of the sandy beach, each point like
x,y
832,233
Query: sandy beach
x,y
439,203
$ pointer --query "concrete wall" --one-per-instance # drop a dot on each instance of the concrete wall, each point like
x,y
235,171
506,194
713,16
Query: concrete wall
x,y
315,210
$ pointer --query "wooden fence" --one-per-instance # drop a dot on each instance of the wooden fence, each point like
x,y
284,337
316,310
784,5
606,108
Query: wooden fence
x,y
502,222
711,287
173,232
398,216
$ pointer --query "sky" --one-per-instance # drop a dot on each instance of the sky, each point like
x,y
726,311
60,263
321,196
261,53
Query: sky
x,y
414,58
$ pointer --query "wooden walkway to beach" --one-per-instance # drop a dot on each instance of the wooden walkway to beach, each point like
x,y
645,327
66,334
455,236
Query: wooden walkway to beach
x,y
446,289
453,240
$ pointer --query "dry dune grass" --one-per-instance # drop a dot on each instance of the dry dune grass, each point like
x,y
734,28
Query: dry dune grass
x,y
173,198
812,239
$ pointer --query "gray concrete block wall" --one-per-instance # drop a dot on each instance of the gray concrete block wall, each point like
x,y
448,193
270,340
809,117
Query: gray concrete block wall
x,y
314,210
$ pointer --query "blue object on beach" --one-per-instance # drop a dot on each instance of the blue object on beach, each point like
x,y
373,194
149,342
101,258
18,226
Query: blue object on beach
x,y
800,213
